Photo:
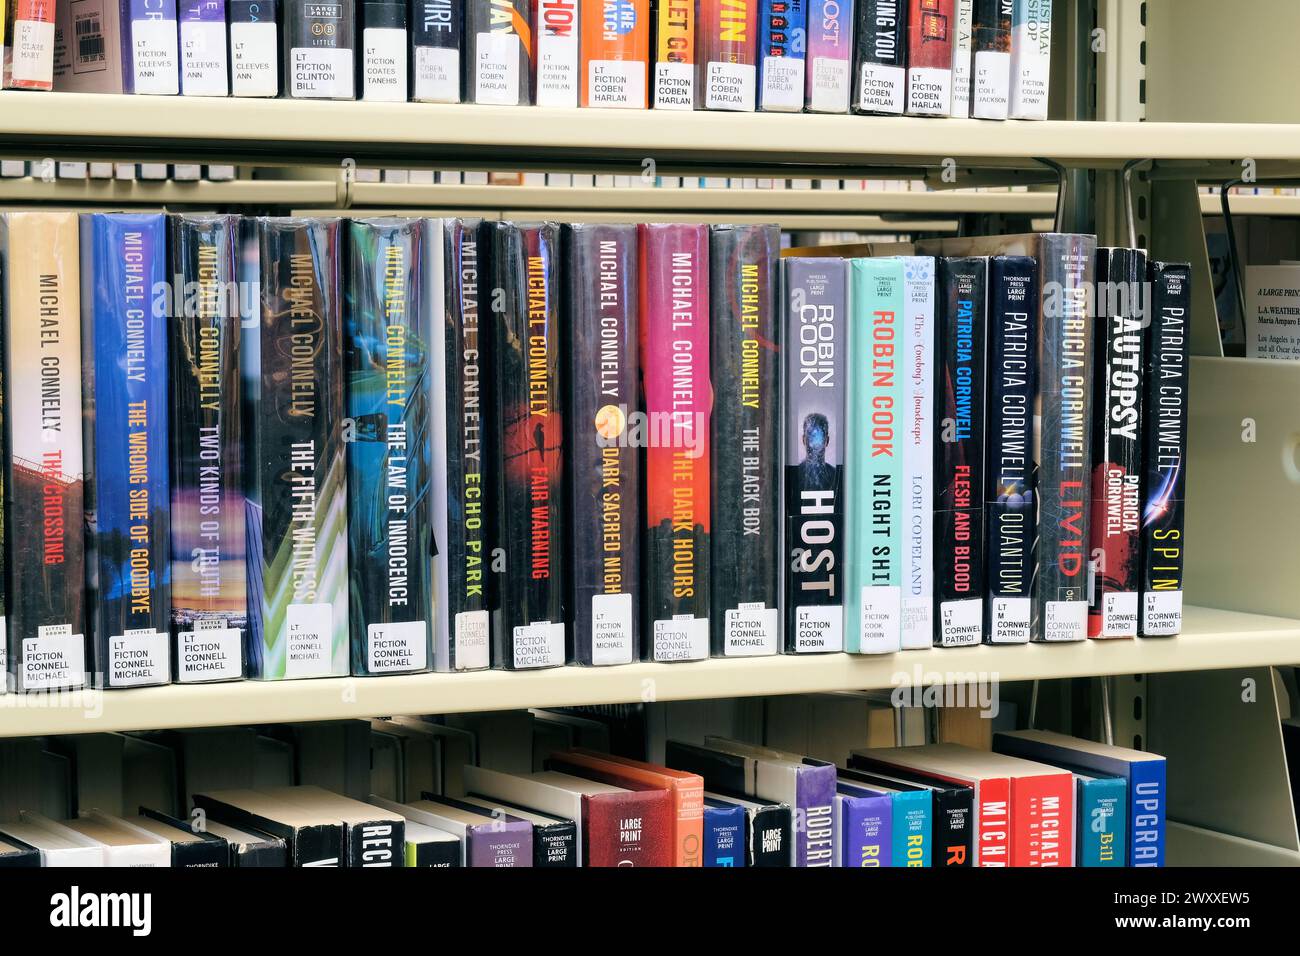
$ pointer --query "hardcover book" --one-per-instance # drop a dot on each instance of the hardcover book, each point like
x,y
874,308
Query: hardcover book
x,y
487,839
93,47
56,844
675,29
1031,59
209,585
14,853
911,819
873,447
254,47
127,490
616,54
991,43
45,533
880,57
527,450
461,478
190,849
728,49
768,829
373,837
499,40
384,71
249,847
151,49
204,70
437,33
830,56
123,843
816,320
296,474
312,837
604,467
963,12
929,57
675,373
428,846
745,528
319,49
952,813
917,427
1115,533
558,64
1164,479
1012,384
724,833
782,31
390,457
1100,820
863,826
555,839
29,46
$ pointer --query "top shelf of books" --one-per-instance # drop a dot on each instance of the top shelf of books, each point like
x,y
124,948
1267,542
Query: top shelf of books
x,y
376,133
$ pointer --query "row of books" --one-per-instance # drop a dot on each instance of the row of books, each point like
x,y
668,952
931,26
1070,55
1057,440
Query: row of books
x,y
316,447
48,170
1039,800
990,59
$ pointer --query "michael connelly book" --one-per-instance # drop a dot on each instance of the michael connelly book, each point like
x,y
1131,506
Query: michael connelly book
x,y
295,475
127,493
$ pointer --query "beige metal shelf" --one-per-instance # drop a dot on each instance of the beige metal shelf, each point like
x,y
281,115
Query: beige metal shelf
x,y
137,192
1212,639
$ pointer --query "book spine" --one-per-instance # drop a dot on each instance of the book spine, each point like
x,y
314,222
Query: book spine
x,y
1164,481
319,49
389,457
296,476
675,372
437,33
1012,381
728,48
558,24
608,842
993,822
1099,822
912,828
675,55
918,453
616,54
528,447
1115,532
963,25
1062,441
29,64
92,46
1147,806
880,57
815,319
952,826
127,495
959,462
6,468
461,606
991,58
254,47
724,836
204,71
440,854
375,844
873,475
1042,820
151,48
929,58
864,833
499,845
603,378
782,31
746,372
1031,59
499,36
384,70
769,836
814,809
43,403
209,587
830,56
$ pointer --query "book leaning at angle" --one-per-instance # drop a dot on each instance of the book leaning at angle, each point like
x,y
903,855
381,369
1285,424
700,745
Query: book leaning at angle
x,y
296,481
372,836
254,47
389,402
249,847
14,853
44,538
555,839
127,489
57,844
189,848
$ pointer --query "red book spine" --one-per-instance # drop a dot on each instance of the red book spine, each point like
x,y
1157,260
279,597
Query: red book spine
x,y
29,63
628,829
727,53
994,822
929,57
1042,814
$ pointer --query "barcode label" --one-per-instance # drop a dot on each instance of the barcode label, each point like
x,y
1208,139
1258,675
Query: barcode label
x,y
90,41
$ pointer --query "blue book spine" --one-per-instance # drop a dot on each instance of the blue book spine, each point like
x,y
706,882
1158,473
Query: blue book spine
x,y
124,341
782,37
911,828
865,830
1146,783
1100,829
724,835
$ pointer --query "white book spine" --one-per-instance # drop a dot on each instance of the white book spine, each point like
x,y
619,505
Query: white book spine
x,y
992,80
918,454
557,54
1031,59
961,58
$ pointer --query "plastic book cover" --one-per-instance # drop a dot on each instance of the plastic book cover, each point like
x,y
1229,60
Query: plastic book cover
x,y
437,35
963,12
864,827
29,46
499,52
880,57
616,54
383,43
675,27
92,46
782,35
991,58
929,57
204,67
320,49
724,834
254,47
727,46
917,428
558,65
828,82
1031,59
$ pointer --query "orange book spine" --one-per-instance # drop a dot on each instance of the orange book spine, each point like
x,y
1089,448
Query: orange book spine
x,y
615,53
675,56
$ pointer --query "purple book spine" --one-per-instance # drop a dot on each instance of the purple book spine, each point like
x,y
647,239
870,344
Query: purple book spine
x,y
501,843
152,58
815,824
865,831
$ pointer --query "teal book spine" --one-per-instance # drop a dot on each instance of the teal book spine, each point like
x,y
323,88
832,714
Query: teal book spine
x,y
1102,817
912,828
874,453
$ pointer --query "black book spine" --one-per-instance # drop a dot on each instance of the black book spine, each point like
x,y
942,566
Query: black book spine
x,y
207,851
952,826
260,855
437,35
1012,382
385,74
308,846
1165,468
254,47
440,854
319,49
529,464
880,57
770,836
959,453
498,42
376,843
745,355
991,59
722,772
555,845
604,468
